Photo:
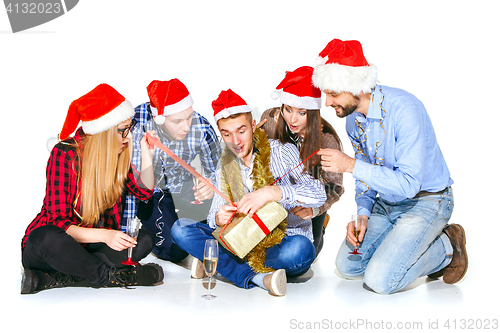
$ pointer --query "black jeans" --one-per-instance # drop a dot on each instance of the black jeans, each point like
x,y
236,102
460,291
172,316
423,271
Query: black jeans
x,y
318,231
49,248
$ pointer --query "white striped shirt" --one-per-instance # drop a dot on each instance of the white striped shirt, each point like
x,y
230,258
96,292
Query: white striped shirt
x,y
297,188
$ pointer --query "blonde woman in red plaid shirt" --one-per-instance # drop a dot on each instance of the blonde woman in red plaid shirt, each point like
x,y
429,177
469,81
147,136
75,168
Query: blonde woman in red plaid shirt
x,y
76,238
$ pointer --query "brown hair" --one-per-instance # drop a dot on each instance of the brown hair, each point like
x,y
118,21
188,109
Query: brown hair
x,y
315,125
232,116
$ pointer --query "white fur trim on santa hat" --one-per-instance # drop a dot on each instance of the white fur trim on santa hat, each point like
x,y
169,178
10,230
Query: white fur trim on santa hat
x,y
180,106
340,78
304,102
232,110
121,113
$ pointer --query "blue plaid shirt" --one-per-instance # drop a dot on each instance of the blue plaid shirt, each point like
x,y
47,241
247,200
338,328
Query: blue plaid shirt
x,y
201,140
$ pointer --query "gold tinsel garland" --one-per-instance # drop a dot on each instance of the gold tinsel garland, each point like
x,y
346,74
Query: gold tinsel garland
x,y
232,186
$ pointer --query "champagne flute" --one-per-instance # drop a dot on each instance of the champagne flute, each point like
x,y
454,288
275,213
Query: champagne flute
x,y
210,258
133,226
357,229
196,181
196,164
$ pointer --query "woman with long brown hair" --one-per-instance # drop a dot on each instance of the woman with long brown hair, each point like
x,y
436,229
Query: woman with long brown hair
x,y
299,121
76,238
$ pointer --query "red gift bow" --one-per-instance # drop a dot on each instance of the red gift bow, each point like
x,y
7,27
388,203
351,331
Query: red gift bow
x,y
154,142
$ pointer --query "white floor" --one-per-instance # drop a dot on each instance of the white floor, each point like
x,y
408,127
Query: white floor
x,y
319,299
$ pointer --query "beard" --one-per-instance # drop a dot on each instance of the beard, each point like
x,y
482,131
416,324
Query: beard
x,y
348,109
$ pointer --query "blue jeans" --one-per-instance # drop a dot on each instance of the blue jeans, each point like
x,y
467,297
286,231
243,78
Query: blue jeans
x,y
295,254
403,241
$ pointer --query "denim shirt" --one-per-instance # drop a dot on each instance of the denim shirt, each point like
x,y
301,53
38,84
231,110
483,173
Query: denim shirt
x,y
396,150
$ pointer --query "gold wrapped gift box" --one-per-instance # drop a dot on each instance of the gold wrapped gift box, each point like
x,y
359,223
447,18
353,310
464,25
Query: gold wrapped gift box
x,y
244,233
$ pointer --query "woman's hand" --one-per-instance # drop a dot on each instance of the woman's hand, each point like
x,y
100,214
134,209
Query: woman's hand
x,y
115,239
302,212
118,240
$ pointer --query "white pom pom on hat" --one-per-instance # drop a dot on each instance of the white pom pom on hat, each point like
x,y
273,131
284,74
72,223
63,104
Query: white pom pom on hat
x,y
160,120
276,94
51,142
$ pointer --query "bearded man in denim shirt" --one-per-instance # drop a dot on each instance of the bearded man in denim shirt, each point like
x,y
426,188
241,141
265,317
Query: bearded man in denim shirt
x,y
403,185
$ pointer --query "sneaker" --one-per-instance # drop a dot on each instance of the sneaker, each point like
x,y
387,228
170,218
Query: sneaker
x,y
197,269
146,275
275,282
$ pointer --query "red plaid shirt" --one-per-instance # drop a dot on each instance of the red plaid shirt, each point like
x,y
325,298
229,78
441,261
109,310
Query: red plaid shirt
x,y
61,193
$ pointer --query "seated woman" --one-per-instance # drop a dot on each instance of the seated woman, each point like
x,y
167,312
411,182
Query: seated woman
x,y
299,121
75,239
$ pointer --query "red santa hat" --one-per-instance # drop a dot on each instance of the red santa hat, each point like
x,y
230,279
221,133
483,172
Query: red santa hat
x,y
342,67
168,98
297,90
99,110
229,103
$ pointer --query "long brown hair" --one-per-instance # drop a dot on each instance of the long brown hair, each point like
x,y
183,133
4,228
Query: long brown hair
x,y
103,173
315,125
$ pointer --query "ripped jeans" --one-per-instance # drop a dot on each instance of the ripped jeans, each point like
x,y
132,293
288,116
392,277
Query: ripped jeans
x,y
403,241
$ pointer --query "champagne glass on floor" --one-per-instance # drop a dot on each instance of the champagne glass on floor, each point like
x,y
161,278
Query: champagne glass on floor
x,y
357,229
133,226
210,258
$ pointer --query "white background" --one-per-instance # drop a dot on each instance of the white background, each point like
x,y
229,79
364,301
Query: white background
x,y
444,52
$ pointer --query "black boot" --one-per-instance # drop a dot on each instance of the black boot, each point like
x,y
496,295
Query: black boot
x,y
147,275
34,281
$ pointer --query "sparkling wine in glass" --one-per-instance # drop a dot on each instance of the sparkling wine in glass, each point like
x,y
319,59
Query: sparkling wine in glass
x,y
210,258
133,226
196,181
357,229
196,164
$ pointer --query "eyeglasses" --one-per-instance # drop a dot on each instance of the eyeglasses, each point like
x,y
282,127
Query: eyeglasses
x,y
124,131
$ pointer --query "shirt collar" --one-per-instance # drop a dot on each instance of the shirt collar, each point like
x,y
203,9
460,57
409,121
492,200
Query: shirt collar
x,y
374,110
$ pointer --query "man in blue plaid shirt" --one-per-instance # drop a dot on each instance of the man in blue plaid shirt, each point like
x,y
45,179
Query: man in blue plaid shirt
x,y
189,135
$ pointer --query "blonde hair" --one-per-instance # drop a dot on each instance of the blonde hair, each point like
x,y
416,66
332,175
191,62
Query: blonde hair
x,y
103,173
